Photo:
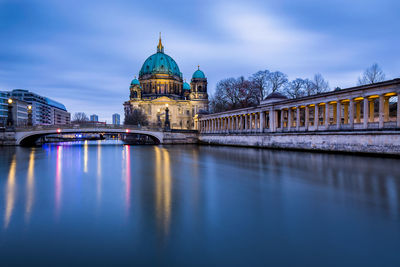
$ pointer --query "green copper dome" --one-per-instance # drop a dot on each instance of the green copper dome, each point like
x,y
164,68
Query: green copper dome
x,y
135,82
186,86
198,74
160,63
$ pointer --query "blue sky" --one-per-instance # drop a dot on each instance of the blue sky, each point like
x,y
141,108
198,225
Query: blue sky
x,y
85,53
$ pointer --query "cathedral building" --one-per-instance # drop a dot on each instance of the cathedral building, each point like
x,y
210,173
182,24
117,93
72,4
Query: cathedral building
x,y
161,85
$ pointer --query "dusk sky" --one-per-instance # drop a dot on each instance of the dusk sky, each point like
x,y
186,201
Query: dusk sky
x,y
85,53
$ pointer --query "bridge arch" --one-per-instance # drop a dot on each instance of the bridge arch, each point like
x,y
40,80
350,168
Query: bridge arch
x,y
29,137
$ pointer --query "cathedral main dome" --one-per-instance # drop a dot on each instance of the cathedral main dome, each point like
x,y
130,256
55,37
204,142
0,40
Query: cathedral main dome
x,y
160,63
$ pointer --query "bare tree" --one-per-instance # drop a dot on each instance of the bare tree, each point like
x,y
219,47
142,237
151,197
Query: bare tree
x,y
371,75
295,88
80,117
320,85
233,93
136,117
277,80
260,83
308,87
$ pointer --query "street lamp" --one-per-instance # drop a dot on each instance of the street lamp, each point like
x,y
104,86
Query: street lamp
x,y
30,115
167,125
10,120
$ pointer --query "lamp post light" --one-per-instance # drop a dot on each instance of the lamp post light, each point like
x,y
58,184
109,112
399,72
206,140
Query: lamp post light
x,y
10,120
167,125
30,116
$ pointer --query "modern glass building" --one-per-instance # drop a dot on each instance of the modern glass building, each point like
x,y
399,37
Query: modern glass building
x,y
94,117
116,119
45,111
3,108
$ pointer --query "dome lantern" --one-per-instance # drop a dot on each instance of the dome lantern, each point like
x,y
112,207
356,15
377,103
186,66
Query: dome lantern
x,y
160,47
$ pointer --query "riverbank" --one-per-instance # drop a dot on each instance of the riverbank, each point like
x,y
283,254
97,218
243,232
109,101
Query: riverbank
x,y
356,142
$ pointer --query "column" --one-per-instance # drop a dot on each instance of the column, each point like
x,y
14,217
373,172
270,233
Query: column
x,y
386,109
306,119
346,113
272,120
237,123
381,110
262,121
338,114
351,113
326,115
251,121
290,119
334,113
297,118
371,110
365,122
358,112
214,125
316,116
282,120
256,121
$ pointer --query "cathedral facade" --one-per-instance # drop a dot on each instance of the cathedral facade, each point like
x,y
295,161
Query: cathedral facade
x,y
161,86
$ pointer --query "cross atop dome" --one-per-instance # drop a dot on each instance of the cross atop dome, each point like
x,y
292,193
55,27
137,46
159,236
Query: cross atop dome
x,y
160,47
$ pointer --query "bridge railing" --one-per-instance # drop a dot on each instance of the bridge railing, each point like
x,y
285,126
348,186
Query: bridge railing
x,y
86,126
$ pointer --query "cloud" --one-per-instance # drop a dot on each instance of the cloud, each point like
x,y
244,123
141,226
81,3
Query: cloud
x,y
85,53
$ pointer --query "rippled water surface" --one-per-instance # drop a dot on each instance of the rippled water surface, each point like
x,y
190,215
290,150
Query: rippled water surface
x,y
105,204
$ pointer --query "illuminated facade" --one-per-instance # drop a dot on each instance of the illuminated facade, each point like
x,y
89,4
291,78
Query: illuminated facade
x,y
160,84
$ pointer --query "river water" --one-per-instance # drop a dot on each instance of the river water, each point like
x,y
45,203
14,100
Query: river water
x,y
100,203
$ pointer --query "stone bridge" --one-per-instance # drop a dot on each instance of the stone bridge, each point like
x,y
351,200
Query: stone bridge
x,y
28,135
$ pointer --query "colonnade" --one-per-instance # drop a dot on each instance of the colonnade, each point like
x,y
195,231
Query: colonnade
x,y
351,109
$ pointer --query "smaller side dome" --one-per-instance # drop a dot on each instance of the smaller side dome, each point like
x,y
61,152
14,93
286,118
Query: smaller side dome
x,y
186,86
135,82
198,74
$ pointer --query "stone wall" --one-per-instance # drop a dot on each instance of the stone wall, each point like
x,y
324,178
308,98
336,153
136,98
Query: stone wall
x,y
180,138
380,142
7,138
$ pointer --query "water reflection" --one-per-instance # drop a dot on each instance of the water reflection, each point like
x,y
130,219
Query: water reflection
x,y
163,189
85,156
146,202
58,179
98,180
372,177
127,177
30,190
10,192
